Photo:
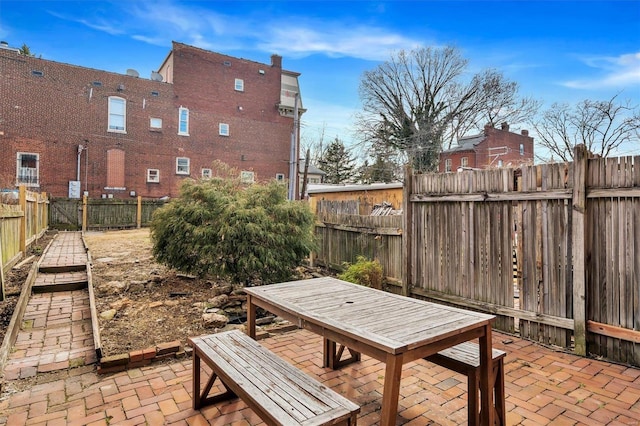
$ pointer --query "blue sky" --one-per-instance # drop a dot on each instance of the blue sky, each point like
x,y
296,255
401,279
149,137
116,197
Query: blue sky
x,y
558,51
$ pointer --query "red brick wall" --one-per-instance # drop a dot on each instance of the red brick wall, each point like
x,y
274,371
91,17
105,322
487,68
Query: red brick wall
x,y
499,144
54,113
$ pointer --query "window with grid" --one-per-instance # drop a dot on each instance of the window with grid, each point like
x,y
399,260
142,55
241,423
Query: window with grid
x,y
182,166
464,162
447,165
117,115
223,129
28,168
239,86
153,175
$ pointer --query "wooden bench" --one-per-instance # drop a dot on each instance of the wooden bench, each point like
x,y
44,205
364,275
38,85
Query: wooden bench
x,y
275,390
464,358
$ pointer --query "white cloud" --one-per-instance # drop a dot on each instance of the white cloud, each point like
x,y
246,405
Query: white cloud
x,y
615,72
370,43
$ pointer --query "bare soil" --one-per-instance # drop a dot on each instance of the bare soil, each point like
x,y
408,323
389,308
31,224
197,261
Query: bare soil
x,y
154,303
158,305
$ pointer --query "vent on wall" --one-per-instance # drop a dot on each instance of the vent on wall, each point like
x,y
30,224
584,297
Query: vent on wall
x,y
37,73
226,63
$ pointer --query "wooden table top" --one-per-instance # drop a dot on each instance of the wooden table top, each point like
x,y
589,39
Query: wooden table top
x,y
389,322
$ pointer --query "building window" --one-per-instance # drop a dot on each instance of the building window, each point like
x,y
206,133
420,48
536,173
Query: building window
x,y
115,169
183,121
464,162
239,85
182,166
499,163
521,149
224,129
280,177
447,165
27,169
153,175
155,123
117,114
206,173
247,177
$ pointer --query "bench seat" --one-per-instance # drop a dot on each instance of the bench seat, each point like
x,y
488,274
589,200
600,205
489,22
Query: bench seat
x,y
276,391
464,358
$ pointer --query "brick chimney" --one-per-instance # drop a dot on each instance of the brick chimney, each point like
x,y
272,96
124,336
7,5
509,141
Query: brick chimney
x,y
505,126
487,129
276,61
524,133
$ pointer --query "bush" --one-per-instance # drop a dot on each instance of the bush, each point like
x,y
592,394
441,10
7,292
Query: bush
x,y
364,272
243,233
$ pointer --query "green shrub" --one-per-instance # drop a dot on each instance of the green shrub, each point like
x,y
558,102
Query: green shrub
x,y
364,272
248,234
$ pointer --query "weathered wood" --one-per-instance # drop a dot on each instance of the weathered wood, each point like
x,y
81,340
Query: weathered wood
x,y
613,331
349,314
464,358
277,392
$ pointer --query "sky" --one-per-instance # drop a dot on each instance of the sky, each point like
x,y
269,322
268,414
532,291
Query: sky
x,y
557,51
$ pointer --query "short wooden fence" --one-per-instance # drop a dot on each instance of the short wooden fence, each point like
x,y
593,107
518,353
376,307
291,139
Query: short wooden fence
x,y
21,225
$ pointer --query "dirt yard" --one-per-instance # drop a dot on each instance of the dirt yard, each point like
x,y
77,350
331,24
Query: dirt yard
x,y
152,303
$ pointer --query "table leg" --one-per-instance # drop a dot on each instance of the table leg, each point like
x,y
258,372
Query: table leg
x,y
196,380
487,413
391,392
251,317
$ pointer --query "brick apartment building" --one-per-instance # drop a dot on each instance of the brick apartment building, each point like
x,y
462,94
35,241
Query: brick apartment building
x,y
489,149
69,130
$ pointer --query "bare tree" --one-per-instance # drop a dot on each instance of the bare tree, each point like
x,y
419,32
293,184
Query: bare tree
x,y
418,103
602,126
501,105
411,100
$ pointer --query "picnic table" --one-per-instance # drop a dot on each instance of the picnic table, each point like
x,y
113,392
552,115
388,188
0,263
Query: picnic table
x,y
390,328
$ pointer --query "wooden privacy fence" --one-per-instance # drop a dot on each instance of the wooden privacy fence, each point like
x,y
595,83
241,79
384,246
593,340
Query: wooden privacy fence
x,y
102,213
574,229
20,226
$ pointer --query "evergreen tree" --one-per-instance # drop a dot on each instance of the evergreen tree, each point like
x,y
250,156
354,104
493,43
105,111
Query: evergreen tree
x,y
338,163
249,234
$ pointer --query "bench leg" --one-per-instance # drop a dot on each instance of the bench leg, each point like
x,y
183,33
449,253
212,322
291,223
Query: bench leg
x,y
332,355
201,399
498,370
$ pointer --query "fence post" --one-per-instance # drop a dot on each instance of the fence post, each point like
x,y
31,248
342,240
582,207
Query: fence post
x,y
407,232
580,155
139,212
84,214
23,221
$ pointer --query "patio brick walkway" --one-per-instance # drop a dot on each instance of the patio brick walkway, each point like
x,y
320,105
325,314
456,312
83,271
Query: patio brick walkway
x,y
543,387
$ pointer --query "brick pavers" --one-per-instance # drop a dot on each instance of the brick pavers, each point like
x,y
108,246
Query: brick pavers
x,y
55,334
542,387
66,249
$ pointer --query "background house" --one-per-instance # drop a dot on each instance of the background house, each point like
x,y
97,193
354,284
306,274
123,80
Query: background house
x,y
491,148
69,130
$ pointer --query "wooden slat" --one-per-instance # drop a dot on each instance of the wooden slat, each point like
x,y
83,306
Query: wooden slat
x,y
269,385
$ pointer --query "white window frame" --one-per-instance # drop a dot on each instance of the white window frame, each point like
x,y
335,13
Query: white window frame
x,y
280,177
521,149
185,132
29,181
155,123
239,85
205,173
223,129
112,114
247,176
183,169
153,175
447,165
464,162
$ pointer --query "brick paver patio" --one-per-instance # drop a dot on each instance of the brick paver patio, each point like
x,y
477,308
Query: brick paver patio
x,y
542,387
